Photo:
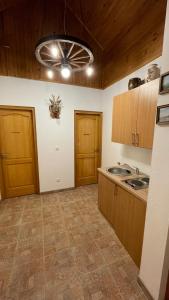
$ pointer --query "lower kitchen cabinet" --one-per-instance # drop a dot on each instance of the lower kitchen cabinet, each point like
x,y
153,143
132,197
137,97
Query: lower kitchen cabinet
x,y
129,222
126,213
107,192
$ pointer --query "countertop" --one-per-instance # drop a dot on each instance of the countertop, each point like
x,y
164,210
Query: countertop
x,y
142,194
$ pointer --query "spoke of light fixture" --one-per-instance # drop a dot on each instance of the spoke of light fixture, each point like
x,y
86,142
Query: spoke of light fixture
x,y
47,47
70,50
46,54
76,53
50,60
77,58
56,64
61,50
75,65
79,62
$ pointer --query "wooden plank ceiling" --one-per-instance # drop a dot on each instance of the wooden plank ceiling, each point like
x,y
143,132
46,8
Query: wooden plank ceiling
x,y
123,34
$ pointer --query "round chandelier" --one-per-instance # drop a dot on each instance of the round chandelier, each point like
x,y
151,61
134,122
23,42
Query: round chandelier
x,y
65,54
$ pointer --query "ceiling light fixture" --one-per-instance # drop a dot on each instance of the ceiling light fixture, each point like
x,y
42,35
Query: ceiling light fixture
x,y
54,51
69,51
89,71
64,53
65,71
50,74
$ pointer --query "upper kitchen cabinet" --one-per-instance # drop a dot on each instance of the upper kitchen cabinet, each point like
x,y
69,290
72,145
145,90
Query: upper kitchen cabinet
x,y
124,117
148,95
134,115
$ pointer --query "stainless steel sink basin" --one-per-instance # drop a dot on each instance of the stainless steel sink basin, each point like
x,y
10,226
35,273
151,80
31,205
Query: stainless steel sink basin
x,y
138,183
145,179
119,171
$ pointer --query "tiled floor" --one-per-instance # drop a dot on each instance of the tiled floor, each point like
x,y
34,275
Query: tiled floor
x,y
59,247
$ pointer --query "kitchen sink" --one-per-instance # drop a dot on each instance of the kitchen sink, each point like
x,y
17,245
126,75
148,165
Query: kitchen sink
x,y
138,183
119,171
145,179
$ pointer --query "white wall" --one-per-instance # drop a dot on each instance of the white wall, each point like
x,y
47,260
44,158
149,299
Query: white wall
x,y
51,133
114,152
153,268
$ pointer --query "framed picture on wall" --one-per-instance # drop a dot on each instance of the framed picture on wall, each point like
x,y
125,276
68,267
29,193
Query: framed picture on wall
x,y
162,114
164,83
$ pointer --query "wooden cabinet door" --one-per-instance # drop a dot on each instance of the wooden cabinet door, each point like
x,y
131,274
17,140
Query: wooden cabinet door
x,y
125,117
122,214
87,147
148,94
129,223
106,198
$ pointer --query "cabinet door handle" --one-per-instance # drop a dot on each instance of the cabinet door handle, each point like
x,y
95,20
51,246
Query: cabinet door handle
x,y
137,139
133,138
3,155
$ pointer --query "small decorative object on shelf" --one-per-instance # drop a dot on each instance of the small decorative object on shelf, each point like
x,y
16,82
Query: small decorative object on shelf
x,y
162,114
55,107
134,82
164,83
153,72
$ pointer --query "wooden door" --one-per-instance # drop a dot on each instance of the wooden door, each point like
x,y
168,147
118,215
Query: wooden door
x,y
125,117
148,95
106,198
87,147
17,153
129,223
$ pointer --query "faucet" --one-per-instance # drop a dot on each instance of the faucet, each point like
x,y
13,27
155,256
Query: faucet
x,y
136,170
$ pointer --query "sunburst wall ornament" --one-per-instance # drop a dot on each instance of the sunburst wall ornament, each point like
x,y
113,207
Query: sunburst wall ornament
x,y
55,107
65,54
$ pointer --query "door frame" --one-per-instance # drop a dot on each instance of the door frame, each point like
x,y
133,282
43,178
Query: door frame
x,y
32,110
86,112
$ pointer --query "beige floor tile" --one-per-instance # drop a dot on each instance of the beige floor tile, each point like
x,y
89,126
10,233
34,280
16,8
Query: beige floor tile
x,y
30,230
9,234
29,250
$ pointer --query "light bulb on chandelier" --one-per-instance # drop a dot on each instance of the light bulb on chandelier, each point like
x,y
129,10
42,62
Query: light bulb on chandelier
x,y
54,51
50,74
89,71
65,71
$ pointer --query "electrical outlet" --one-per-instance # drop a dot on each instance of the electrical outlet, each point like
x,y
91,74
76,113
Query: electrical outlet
x,y
58,180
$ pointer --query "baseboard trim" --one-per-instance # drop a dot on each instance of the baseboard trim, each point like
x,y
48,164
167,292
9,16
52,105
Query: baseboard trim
x,y
57,191
145,290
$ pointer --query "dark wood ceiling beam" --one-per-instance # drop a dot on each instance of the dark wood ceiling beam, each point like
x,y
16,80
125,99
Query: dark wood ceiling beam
x,y
85,27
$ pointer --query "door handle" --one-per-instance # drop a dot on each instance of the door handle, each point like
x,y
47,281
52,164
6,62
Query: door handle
x,y
137,139
133,139
3,155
